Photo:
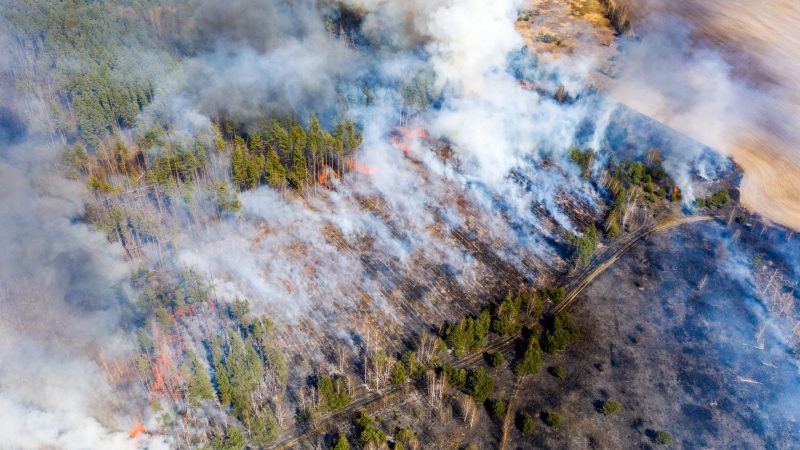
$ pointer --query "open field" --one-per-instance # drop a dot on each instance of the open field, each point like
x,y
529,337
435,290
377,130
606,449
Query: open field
x,y
760,41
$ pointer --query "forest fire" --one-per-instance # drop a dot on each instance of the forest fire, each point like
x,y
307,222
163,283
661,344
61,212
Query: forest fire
x,y
137,429
400,134
413,132
399,144
353,165
166,380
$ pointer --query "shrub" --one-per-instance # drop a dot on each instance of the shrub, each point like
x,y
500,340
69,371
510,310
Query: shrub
x,y
340,442
507,318
498,409
480,385
717,200
367,433
456,377
559,372
610,407
527,424
585,244
497,359
559,333
663,437
531,361
332,392
552,419
398,373
468,334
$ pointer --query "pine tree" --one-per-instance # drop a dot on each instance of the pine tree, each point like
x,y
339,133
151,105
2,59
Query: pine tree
x,y
255,168
200,387
223,384
315,142
276,172
239,167
297,176
341,443
279,140
257,145
532,359
398,374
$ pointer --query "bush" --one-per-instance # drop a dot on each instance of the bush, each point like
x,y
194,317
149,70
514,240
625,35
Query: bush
x,y
332,392
531,361
585,244
340,442
559,372
456,377
480,385
398,374
497,359
610,407
552,419
468,334
497,409
507,318
559,333
583,159
367,433
663,437
527,424
717,200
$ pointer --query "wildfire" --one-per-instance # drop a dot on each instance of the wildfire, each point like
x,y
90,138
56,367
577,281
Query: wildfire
x,y
352,165
527,85
327,176
399,144
137,429
401,133
165,378
413,132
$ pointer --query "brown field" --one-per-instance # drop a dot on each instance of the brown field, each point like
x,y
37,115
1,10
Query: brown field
x,y
761,42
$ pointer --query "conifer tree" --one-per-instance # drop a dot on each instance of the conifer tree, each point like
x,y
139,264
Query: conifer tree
x,y
276,172
297,176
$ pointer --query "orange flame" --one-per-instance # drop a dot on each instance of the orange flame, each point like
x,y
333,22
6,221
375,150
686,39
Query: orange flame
x,y
137,429
413,132
352,165
165,378
184,311
399,144
362,169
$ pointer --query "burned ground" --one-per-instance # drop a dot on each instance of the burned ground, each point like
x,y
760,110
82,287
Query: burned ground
x,y
677,352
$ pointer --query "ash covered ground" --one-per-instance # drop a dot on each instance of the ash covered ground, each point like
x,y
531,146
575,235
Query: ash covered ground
x,y
673,332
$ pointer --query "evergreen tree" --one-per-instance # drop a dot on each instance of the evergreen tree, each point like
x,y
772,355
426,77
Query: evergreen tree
x,y
398,374
340,442
276,172
257,145
315,145
480,385
200,387
279,140
223,384
239,167
297,175
531,360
